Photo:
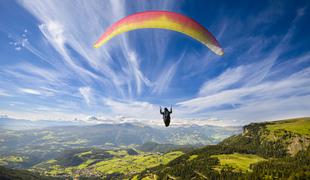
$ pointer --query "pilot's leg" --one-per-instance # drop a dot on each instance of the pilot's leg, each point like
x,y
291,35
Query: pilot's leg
x,y
167,122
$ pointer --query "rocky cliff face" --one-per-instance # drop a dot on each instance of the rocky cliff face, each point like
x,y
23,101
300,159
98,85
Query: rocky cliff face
x,y
297,144
293,135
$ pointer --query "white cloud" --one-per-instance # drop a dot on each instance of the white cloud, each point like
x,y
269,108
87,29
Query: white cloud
x,y
62,28
18,48
255,98
78,25
56,31
42,79
41,115
225,80
3,93
134,109
40,91
267,110
86,92
30,91
134,70
164,80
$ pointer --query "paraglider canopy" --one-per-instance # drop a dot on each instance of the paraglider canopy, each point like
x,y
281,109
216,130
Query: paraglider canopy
x,y
162,20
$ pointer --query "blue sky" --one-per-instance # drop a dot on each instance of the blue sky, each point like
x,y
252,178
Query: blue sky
x,y
49,69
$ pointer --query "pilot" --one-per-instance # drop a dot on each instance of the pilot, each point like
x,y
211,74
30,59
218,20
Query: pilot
x,y
166,115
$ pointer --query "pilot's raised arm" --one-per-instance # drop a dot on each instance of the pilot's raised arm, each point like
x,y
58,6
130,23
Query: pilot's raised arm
x,y
161,112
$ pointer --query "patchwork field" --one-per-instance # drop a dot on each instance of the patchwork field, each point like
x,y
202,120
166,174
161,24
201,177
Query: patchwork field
x,y
120,162
238,161
134,164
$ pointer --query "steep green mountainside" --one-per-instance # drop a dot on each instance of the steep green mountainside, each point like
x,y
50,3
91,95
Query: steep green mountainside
x,y
269,150
272,139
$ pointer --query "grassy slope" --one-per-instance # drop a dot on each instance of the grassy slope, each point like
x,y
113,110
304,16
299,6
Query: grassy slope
x,y
300,126
238,161
273,139
294,134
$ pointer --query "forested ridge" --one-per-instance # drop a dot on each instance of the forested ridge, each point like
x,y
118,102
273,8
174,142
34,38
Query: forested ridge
x,y
272,142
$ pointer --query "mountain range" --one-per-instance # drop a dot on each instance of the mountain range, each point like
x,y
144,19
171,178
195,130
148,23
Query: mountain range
x,y
45,140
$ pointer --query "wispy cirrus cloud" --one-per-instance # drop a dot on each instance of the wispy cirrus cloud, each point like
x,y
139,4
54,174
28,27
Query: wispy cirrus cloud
x,y
86,92
134,109
166,76
294,85
223,81
62,29
77,67
57,69
30,91
4,93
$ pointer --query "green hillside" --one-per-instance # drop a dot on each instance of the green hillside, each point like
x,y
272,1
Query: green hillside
x,y
109,164
268,150
10,174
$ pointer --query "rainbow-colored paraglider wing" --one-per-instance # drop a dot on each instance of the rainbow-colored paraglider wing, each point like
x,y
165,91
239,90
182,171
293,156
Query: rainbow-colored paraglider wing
x,y
162,20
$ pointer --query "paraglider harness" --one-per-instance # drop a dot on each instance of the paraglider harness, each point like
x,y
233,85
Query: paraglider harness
x,y
166,115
